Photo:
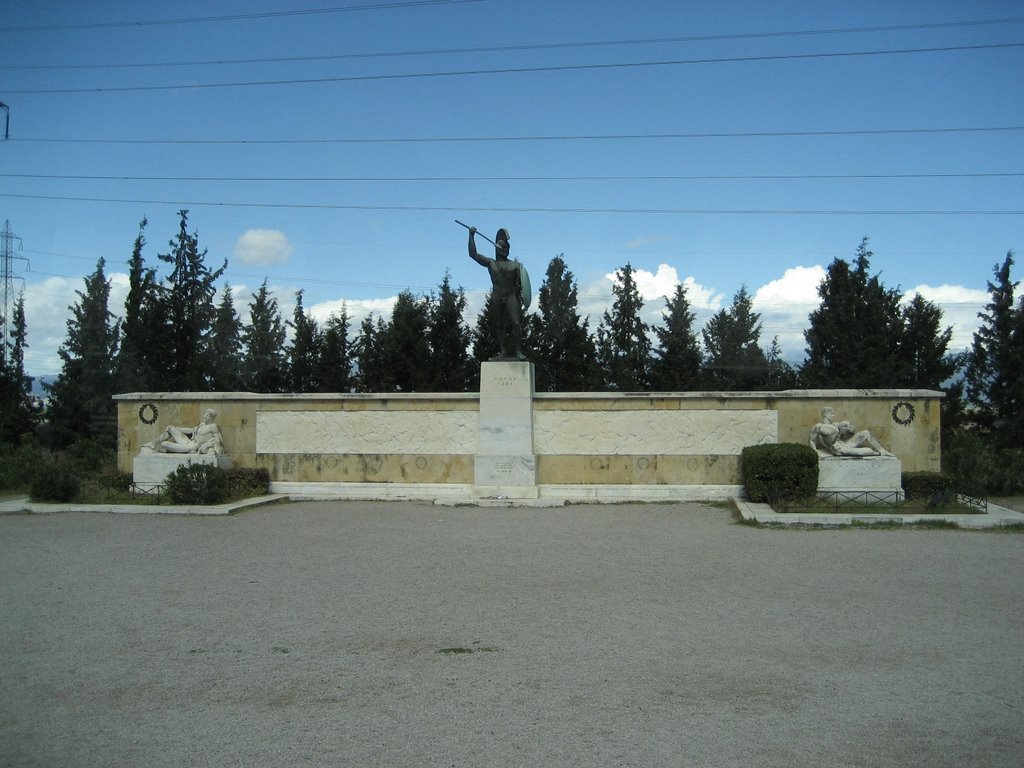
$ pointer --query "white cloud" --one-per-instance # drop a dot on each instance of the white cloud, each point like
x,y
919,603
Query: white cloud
x,y
798,285
358,309
259,247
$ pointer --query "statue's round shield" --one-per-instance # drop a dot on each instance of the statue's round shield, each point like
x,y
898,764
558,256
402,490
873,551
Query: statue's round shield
x,y
525,290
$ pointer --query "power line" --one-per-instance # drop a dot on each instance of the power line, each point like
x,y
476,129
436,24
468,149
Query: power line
x,y
518,70
575,137
483,209
390,179
520,48
234,17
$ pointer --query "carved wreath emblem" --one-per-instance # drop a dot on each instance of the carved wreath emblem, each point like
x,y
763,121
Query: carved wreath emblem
x,y
903,413
148,413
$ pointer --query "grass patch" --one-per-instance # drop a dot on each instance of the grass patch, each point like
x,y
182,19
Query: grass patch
x,y
869,504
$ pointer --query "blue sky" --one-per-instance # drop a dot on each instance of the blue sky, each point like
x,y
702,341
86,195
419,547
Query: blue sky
x,y
330,150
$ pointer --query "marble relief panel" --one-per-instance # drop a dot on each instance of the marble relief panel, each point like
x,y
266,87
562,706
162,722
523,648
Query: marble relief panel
x,y
696,432
380,432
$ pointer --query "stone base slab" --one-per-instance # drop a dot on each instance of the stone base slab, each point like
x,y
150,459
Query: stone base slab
x,y
453,494
858,474
152,469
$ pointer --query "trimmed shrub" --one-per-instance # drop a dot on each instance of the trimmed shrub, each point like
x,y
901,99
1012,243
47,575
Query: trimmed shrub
x,y
779,472
54,484
197,484
932,487
249,481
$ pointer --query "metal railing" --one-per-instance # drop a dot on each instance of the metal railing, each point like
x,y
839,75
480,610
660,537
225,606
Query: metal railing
x,y
895,501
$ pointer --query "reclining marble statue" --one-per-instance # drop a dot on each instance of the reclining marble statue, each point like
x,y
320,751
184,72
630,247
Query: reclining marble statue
x,y
202,439
842,439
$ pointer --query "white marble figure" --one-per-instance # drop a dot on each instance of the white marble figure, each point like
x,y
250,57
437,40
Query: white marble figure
x,y
842,439
203,439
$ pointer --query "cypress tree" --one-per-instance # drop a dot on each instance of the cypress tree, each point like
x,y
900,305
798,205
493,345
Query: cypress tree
x,y
734,360
189,310
263,363
678,357
304,350
565,353
449,340
80,398
226,346
995,363
623,348
335,371
854,336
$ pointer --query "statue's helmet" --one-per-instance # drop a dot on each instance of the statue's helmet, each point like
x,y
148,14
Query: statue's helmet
x,y
502,235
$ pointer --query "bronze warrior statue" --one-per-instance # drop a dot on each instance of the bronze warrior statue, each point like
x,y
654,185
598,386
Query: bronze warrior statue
x,y
506,291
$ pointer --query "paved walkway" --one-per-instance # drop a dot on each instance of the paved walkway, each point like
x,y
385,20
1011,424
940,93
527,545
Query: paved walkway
x,y
404,634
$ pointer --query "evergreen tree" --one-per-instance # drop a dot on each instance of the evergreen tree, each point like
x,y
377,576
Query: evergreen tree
x,y
80,398
335,373
142,358
405,346
263,364
17,412
623,348
678,357
780,374
995,363
485,344
226,346
734,360
923,360
854,336
189,310
304,351
373,372
449,340
566,359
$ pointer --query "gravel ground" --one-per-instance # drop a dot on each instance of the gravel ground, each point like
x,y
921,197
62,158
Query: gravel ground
x,y
403,634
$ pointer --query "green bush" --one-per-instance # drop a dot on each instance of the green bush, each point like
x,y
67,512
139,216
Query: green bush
x,y
980,469
19,465
931,487
88,456
197,484
249,481
54,484
779,472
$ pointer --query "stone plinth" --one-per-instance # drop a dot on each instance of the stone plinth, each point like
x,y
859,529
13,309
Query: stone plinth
x,y
860,473
505,464
151,469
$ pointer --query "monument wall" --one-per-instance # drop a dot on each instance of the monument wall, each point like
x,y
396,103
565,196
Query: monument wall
x,y
580,440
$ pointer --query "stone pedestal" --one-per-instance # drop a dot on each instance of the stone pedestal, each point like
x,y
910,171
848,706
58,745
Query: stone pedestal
x,y
505,463
859,474
151,469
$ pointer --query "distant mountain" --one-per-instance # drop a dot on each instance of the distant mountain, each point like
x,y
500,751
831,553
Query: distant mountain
x,y
38,381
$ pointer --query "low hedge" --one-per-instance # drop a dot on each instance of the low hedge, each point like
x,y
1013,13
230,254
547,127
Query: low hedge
x,y
779,472
932,487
